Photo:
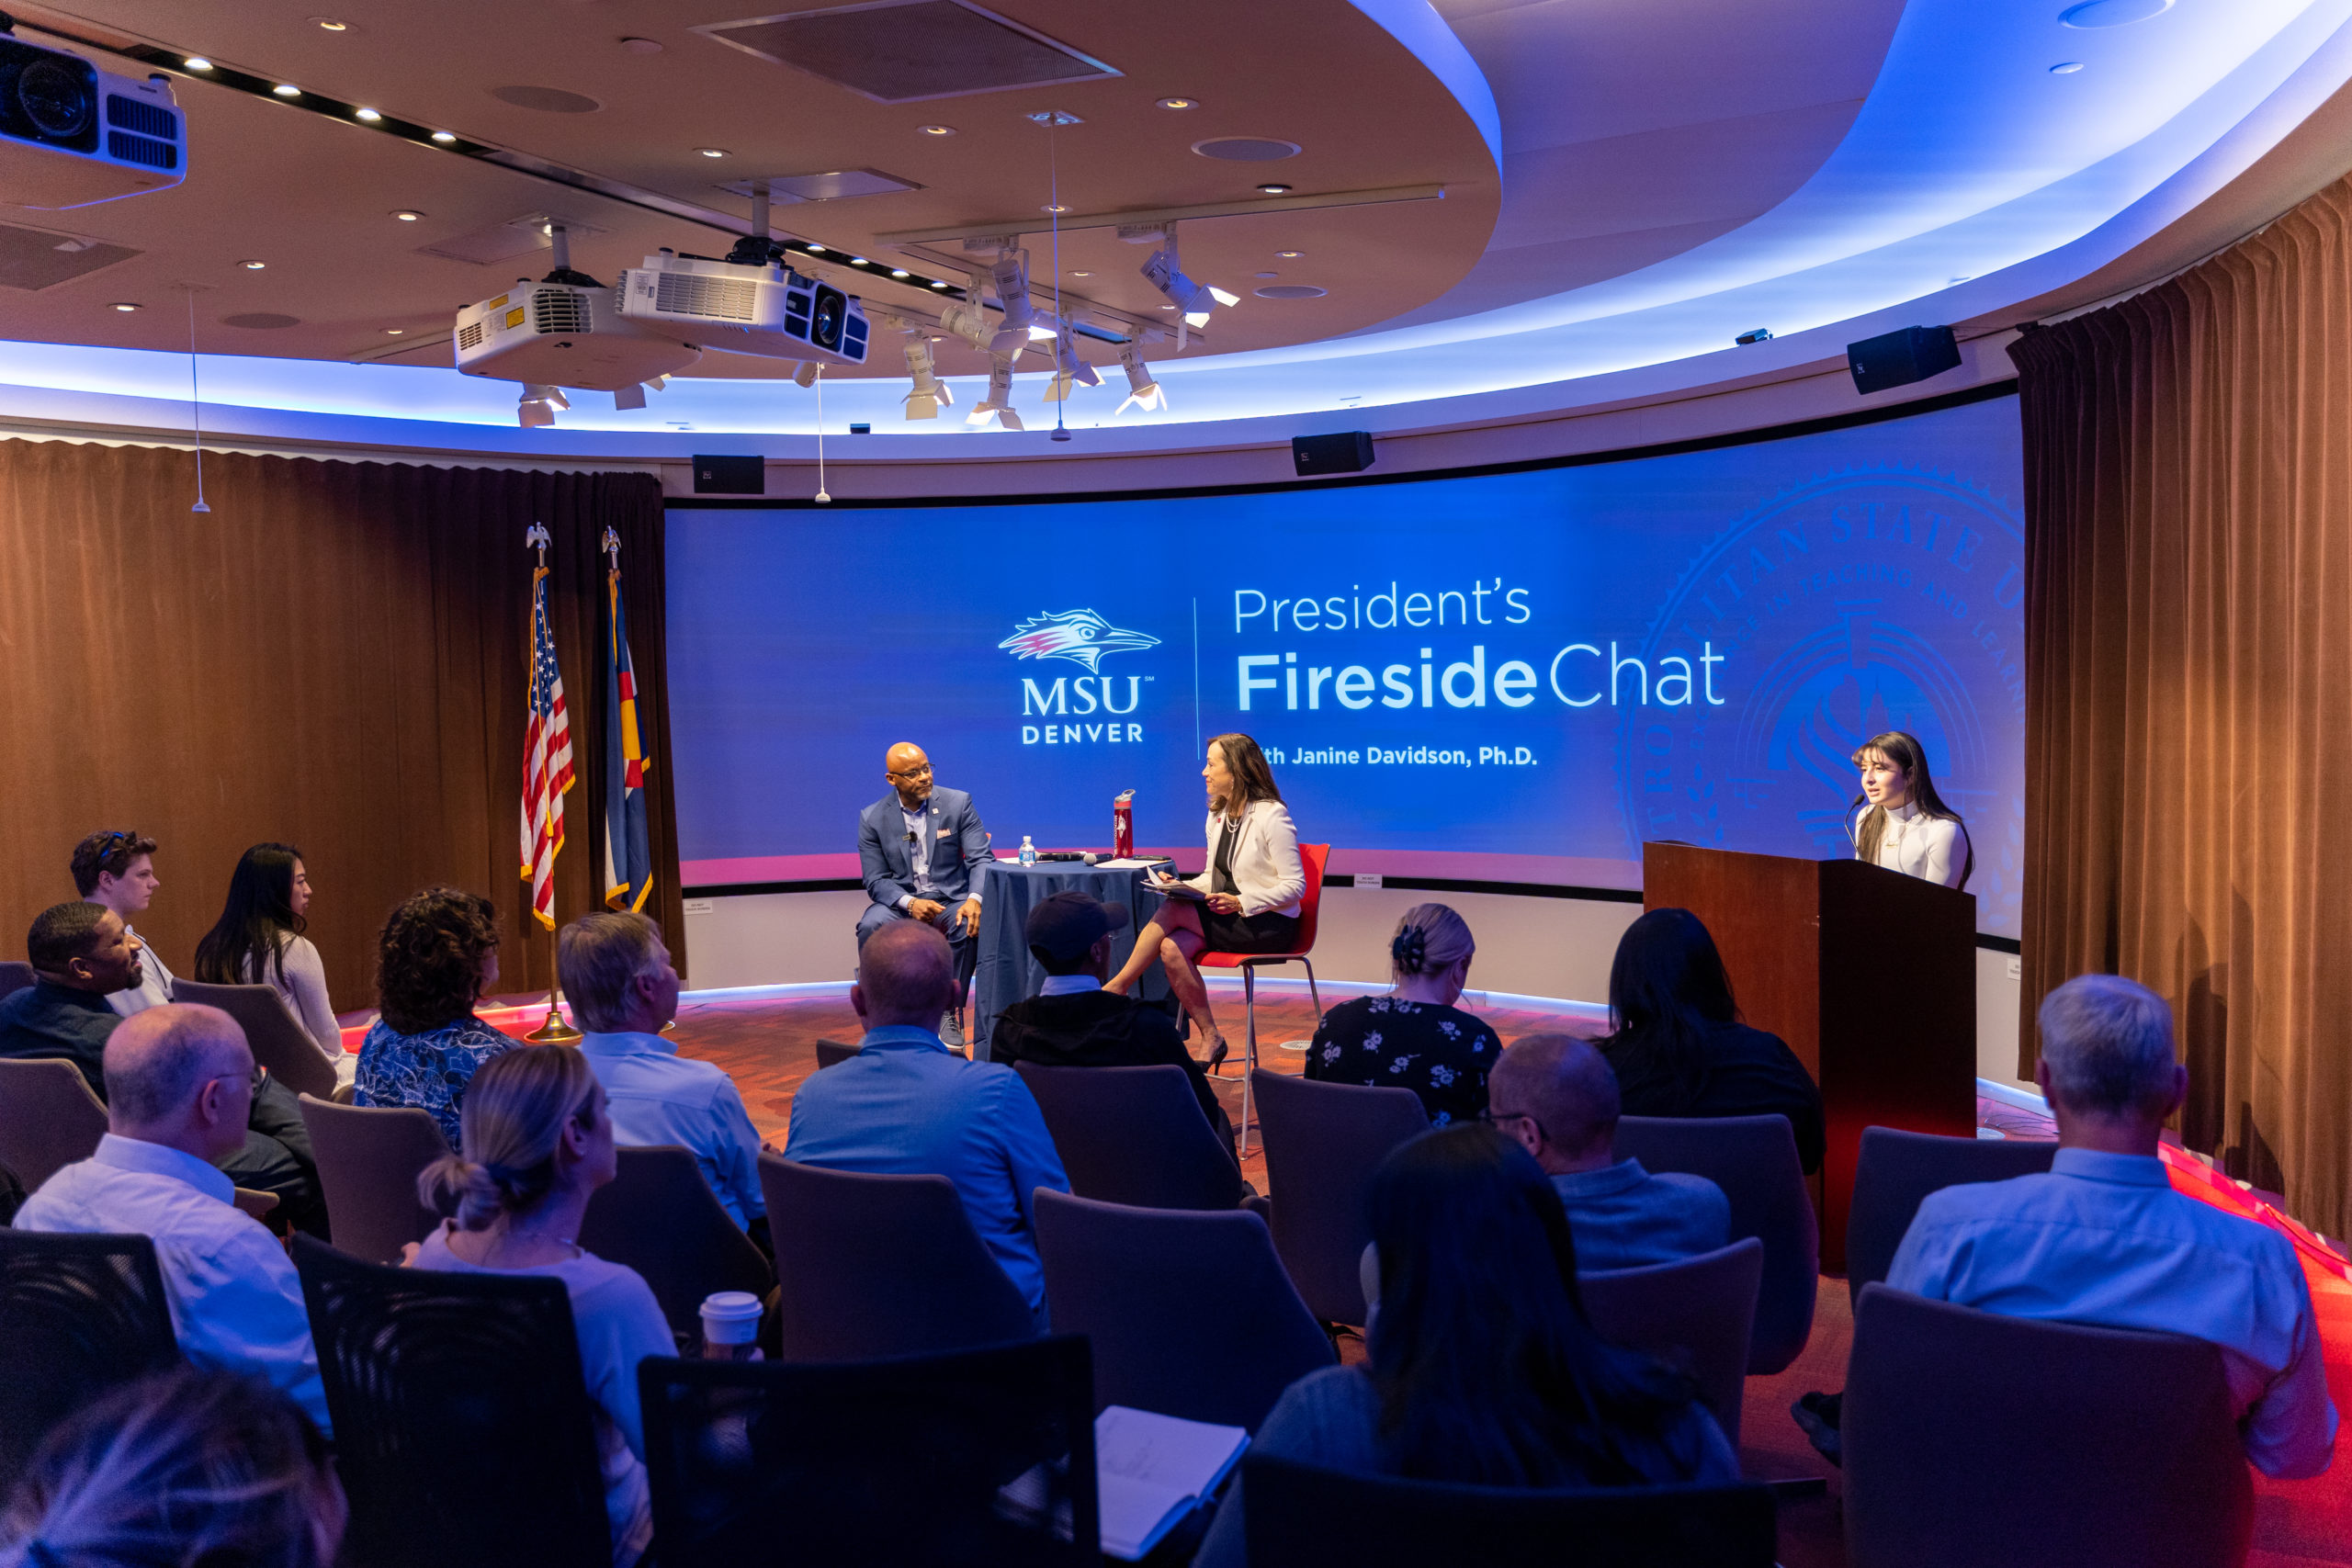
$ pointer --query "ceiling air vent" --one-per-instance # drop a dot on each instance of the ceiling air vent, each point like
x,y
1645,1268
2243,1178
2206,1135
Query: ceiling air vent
x,y
35,258
908,51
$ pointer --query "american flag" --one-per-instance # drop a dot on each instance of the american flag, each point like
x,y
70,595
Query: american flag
x,y
547,761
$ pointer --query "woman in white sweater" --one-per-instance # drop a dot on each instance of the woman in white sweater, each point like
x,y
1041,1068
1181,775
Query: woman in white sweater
x,y
258,940
1247,899
1905,825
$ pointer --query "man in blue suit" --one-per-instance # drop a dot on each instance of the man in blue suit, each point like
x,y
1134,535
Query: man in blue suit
x,y
919,851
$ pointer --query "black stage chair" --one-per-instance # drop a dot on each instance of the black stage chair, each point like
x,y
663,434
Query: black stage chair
x,y
79,1315
1301,1516
463,1431
975,1458
832,1053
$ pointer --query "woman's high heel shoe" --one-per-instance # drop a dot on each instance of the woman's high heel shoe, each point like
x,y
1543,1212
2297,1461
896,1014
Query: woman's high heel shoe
x,y
1216,1057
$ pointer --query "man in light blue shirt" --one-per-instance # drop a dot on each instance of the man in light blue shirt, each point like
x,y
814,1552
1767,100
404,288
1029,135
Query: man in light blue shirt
x,y
179,1088
623,988
905,1105
2104,1239
1557,1096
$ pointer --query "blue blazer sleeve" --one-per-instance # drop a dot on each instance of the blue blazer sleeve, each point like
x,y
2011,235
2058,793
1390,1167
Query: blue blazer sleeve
x,y
972,840
882,884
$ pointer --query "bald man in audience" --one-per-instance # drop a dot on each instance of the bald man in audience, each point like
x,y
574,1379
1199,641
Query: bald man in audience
x,y
906,1105
179,1090
1559,1097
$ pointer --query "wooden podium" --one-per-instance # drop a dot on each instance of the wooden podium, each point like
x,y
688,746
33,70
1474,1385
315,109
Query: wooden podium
x,y
1868,975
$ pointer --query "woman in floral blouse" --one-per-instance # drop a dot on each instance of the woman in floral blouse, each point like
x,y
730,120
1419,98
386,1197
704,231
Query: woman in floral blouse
x,y
438,954
1415,1037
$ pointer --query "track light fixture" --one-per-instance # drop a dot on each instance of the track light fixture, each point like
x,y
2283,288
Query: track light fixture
x,y
538,404
1069,368
1143,392
998,404
929,391
1012,279
1164,270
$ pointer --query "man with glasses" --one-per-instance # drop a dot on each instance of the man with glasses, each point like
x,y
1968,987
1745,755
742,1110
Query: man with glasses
x,y
180,1083
920,849
118,869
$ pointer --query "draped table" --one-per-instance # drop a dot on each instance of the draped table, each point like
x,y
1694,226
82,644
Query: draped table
x,y
1007,973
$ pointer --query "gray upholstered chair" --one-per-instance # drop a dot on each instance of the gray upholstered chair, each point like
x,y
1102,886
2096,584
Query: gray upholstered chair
x,y
1135,1135
1323,1141
1897,1169
278,1038
369,1157
1697,1315
48,1118
659,1217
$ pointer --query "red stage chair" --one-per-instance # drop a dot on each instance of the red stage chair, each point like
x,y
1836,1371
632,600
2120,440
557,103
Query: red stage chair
x,y
1314,857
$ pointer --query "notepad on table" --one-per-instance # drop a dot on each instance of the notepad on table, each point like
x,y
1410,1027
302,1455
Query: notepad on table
x,y
1150,1471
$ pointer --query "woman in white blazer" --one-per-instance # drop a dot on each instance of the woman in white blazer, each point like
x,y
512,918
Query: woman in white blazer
x,y
1250,890
1905,825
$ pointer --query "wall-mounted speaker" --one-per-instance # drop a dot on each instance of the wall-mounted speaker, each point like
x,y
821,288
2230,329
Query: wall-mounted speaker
x,y
1347,453
731,476
1899,358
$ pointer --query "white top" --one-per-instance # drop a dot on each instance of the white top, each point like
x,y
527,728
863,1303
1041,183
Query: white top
x,y
302,986
154,988
2104,1239
236,1301
1934,849
1268,875
618,1324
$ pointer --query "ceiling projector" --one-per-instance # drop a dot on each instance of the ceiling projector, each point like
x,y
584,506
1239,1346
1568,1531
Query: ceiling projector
x,y
71,135
746,308
565,334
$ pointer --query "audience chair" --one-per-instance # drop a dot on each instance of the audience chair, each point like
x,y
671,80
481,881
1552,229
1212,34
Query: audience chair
x,y
1135,1135
833,1053
79,1315
48,1118
659,1217
1190,1313
1697,1315
1303,1517
276,1037
463,1431
1897,1169
14,976
1323,1141
369,1157
1313,857
255,1206
982,1459
875,1266
1754,1160
1971,1437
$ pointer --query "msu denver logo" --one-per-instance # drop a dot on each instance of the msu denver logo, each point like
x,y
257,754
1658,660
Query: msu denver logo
x,y
1079,635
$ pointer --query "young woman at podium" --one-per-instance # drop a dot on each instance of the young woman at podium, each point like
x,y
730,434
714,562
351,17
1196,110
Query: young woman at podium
x,y
1904,825
1245,902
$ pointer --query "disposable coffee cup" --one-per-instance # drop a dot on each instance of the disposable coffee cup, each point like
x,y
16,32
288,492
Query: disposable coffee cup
x,y
730,1322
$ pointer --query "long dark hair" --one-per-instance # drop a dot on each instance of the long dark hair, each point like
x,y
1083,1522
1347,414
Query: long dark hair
x,y
428,960
1667,992
1251,774
1902,749
258,922
1488,1371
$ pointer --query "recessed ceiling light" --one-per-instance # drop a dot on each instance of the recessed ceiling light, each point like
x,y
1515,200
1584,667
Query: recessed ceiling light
x,y
331,25
1055,207
2112,13
394,332
937,129
196,63
813,246
1081,274
641,45
935,283
1265,275
857,261
253,266
1290,255
286,90
712,152
1275,189
442,136
122,305
370,115
406,215
901,272
1168,307
2066,68
1180,103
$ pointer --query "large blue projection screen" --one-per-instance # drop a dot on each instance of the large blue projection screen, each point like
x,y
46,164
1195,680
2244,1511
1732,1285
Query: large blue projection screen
x,y
1516,677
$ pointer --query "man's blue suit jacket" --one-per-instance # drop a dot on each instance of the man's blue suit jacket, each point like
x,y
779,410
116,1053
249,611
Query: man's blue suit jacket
x,y
954,840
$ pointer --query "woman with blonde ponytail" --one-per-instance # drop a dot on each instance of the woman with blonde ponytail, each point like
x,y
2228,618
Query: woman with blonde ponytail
x,y
1415,1037
537,1142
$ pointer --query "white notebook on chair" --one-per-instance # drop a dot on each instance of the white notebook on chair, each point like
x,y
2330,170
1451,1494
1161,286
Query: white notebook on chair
x,y
1150,1471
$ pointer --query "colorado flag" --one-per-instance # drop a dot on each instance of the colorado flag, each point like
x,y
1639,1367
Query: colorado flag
x,y
629,860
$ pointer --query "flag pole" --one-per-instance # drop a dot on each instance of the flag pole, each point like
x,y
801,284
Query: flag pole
x,y
554,1032
611,544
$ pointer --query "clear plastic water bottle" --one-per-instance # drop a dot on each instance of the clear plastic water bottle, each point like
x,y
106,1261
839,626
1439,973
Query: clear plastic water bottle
x,y
1028,851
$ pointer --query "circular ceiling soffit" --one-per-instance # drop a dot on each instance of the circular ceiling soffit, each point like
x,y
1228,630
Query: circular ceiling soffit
x,y
1290,291
548,100
1248,149
261,320
2112,13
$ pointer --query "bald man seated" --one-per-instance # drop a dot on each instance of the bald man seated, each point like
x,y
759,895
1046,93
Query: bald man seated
x,y
920,849
1557,1096
905,1105
179,1090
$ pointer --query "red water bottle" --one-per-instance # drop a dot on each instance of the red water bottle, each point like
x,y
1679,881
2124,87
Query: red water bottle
x,y
1123,825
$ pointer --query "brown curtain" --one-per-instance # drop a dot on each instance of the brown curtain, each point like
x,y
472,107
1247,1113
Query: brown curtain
x,y
2189,646
333,657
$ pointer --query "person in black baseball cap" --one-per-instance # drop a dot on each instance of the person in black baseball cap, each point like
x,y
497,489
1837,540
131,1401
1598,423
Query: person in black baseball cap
x,y
1074,1023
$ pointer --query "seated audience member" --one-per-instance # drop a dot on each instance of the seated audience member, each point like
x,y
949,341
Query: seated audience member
x,y
438,954
2104,1239
1677,1044
1073,1022
258,940
537,1142
1555,1095
179,1090
1483,1367
1415,1037
187,1466
118,870
905,1105
83,953
622,989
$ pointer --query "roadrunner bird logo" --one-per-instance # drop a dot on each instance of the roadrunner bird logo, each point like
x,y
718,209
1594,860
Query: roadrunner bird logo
x,y
1079,635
